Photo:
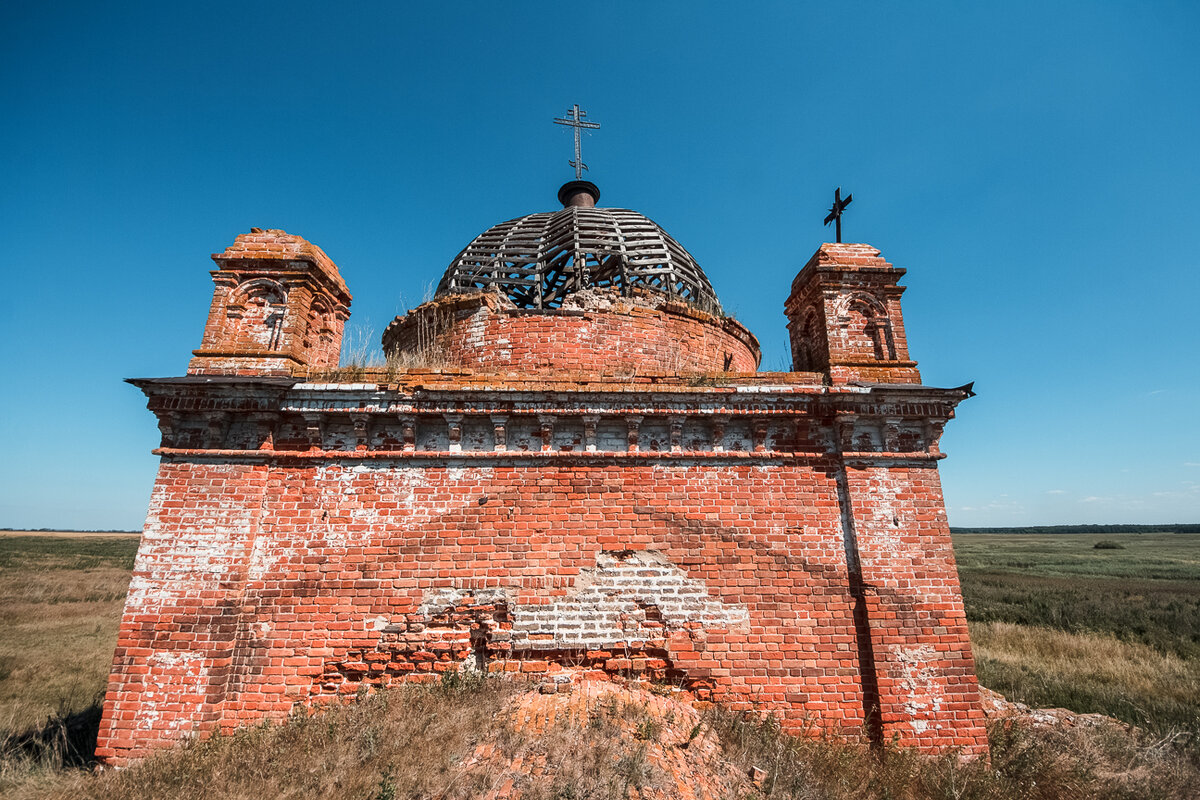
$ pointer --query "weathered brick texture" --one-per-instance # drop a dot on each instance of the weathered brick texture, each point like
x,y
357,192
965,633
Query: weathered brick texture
x,y
770,541
844,317
596,331
279,304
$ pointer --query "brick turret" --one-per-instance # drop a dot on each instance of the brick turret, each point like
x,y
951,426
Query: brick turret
x,y
279,304
844,317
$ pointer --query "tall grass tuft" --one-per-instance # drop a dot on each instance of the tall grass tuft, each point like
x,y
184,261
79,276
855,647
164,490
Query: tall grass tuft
x,y
404,743
1071,764
1090,673
65,741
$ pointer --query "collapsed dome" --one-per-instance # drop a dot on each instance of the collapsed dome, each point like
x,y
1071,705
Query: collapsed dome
x,y
537,260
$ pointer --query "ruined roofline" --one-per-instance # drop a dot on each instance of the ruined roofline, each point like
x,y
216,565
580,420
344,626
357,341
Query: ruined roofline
x,y
595,329
272,247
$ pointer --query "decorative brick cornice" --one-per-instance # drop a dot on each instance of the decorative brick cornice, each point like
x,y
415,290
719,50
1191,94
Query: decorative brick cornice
x,y
363,421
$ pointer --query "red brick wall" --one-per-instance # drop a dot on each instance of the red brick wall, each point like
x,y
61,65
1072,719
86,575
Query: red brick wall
x,y
173,657
924,666
615,336
364,574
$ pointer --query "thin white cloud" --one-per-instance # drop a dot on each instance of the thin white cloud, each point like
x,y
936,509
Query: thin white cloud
x,y
1056,491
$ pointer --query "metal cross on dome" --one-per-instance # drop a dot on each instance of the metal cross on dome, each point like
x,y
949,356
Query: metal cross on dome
x,y
835,211
576,121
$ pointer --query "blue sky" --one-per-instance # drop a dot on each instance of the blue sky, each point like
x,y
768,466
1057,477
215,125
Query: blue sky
x,y
1035,166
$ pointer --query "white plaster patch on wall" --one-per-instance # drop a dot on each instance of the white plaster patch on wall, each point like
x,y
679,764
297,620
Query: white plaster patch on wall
x,y
764,388
195,555
338,488
144,594
172,675
476,327
504,351
627,595
885,521
341,486
197,546
912,667
264,557
462,473
437,601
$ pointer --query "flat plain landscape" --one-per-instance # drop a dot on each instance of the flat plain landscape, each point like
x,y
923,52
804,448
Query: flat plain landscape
x,y
1105,624
60,604
1115,629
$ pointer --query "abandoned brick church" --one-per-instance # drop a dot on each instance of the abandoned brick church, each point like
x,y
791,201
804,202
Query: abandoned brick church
x,y
570,470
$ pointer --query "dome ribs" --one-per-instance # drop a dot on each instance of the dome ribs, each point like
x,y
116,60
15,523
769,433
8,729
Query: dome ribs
x,y
540,259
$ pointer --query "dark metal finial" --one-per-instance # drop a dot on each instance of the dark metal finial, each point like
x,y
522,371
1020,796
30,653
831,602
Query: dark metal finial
x,y
576,121
835,211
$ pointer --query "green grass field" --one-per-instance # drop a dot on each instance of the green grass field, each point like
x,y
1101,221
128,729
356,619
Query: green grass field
x,y
1057,622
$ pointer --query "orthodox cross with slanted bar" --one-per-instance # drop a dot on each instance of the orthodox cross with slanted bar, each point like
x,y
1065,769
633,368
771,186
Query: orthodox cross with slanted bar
x,y
576,121
835,211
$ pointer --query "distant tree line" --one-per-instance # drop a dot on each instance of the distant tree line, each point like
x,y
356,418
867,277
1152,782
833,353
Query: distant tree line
x,y
65,530
1183,528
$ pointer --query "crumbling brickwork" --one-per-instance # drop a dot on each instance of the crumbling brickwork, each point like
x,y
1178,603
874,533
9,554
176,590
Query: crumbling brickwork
x,y
278,304
844,317
773,541
597,331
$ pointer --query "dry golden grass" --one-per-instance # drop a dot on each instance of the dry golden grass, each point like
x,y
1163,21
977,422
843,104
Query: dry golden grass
x,y
1030,764
59,629
60,607
458,742
1090,673
1090,657
407,743
74,534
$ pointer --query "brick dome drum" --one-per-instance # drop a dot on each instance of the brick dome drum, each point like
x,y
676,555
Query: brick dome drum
x,y
537,260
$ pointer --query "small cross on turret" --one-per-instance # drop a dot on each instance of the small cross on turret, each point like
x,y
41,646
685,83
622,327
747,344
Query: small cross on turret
x,y
576,121
835,211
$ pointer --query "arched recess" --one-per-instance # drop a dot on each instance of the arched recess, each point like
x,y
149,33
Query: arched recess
x,y
318,325
809,351
255,311
868,327
319,332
